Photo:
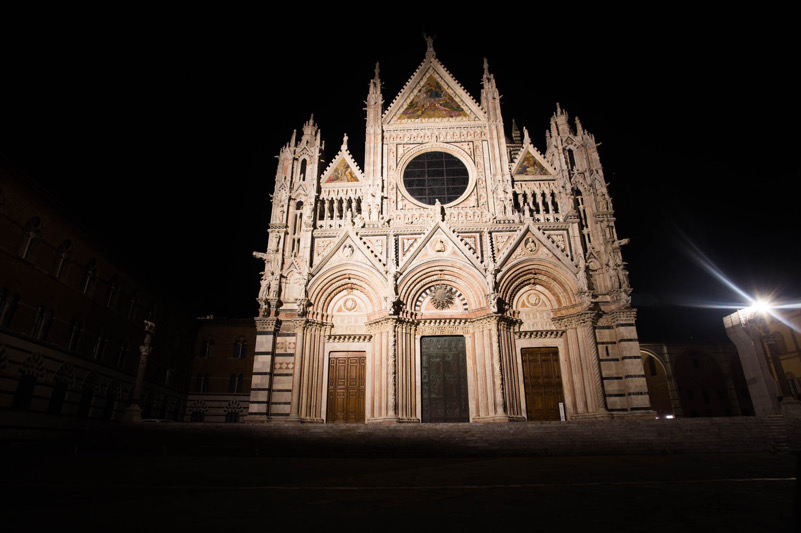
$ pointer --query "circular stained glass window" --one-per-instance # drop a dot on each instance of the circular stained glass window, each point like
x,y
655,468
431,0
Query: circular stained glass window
x,y
433,176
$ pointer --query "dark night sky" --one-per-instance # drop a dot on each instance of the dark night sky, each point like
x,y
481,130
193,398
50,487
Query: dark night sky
x,y
163,136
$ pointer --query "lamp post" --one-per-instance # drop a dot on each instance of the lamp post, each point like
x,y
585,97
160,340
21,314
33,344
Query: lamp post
x,y
134,412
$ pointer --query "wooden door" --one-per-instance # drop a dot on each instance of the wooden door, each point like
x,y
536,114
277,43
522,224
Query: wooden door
x,y
346,378
542,381
444,379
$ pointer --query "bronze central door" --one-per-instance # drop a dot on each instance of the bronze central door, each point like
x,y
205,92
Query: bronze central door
x,y
346,378
444,379
542,381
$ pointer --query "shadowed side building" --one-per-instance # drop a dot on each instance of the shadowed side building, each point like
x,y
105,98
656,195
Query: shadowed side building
x,y
222,370
73,319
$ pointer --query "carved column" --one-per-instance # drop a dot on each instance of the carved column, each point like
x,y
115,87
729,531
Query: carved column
x,y
583,353
406,365
311,375
577,370
489,392
509,370
384,397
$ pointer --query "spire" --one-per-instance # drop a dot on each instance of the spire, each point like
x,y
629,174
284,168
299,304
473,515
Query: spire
x,y
488,80
374,93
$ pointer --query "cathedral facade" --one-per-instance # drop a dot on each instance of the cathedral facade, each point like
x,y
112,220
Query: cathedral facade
x,y
454,276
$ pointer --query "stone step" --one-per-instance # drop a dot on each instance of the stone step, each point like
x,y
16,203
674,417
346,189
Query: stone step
x,y
603,437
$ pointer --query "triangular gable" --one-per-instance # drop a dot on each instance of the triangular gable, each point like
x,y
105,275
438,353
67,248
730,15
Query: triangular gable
x,y
531,242
301,190
349,248
440,242
433,101
343,170
531,163
432,94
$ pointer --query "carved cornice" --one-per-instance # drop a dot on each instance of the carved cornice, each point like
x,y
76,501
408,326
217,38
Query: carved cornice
x,y
618,316
349,338
389,321
266,324
582,318
540,334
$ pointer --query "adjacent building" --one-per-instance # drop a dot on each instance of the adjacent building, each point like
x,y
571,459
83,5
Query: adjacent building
x,y
767,342
82,335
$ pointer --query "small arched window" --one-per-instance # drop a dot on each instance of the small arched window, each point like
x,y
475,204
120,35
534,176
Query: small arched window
x,y
62,258
89,276
241,349
30,235
206,348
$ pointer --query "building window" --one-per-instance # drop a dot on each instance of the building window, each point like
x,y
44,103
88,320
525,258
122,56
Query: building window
x,y
436,176
113,291
206,348
196,416
24,393
100,346
73,335
235,383
29,238
132,304
87,396
57,398
241,349
202,383
62,259
61,383
8,305
232,417
89,276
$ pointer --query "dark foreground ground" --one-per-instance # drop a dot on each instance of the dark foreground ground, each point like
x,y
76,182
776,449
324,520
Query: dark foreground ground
x,y
454,478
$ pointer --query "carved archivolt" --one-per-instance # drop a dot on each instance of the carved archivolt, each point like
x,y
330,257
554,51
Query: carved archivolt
x,y
333,284
467,282
555,279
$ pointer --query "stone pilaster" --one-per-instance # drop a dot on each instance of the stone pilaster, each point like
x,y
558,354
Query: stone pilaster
x,y
625,388
384,408
584,364
261,385
311,337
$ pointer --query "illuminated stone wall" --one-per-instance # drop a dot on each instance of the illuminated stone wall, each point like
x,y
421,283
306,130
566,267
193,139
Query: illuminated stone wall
x,y
447,228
